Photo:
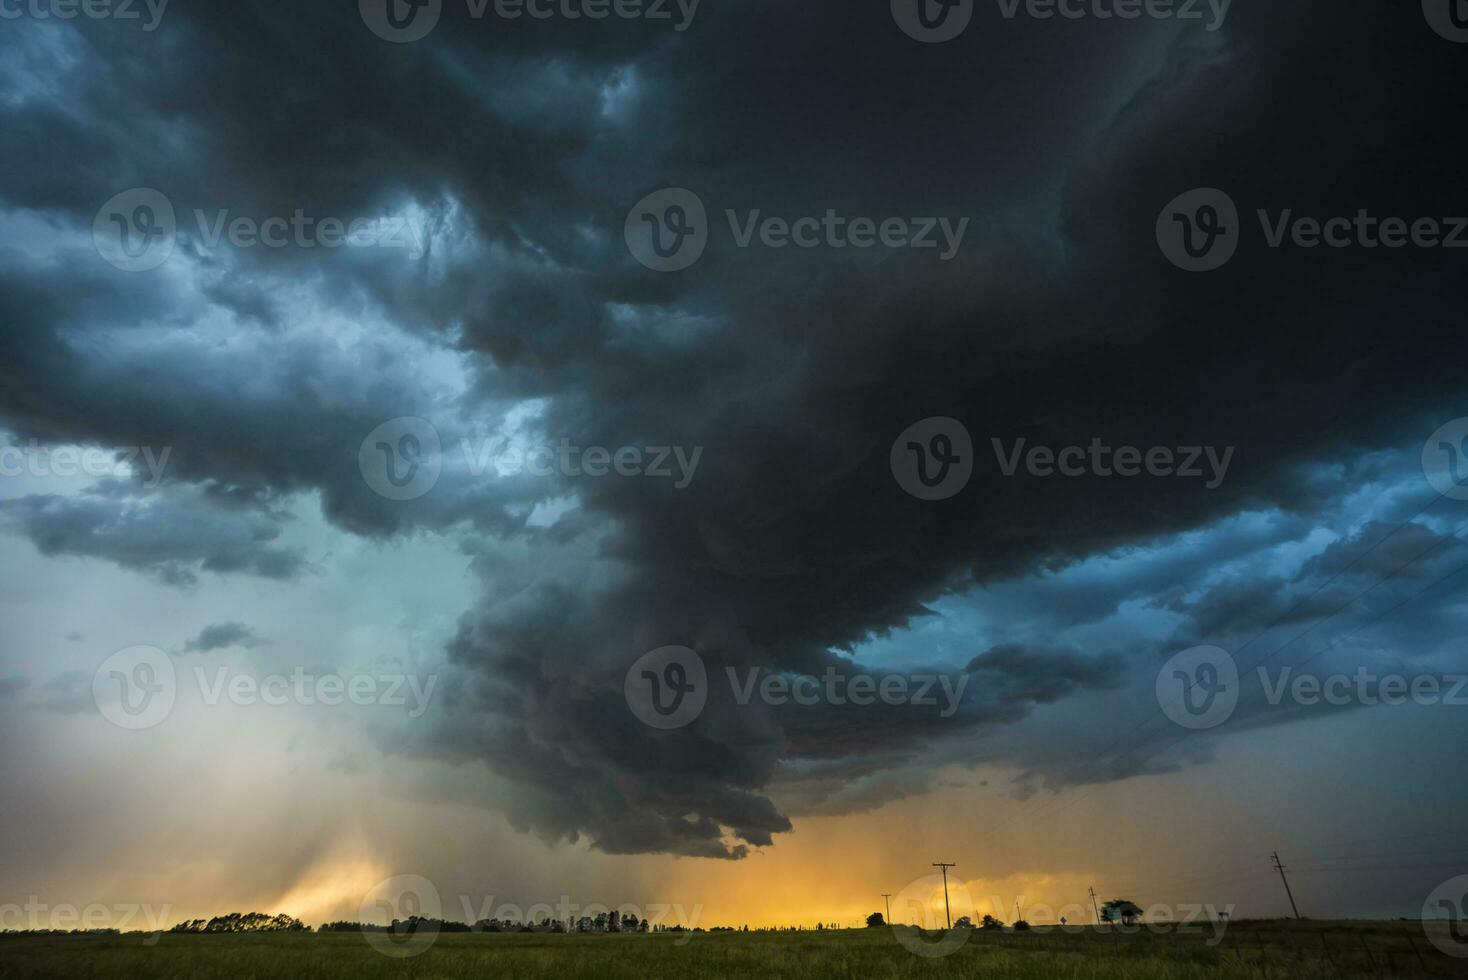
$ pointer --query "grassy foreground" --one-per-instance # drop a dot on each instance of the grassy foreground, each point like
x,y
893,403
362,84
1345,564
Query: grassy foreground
x,y
1287,951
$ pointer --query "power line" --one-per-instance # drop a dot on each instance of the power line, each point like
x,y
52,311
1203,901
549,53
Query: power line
x,y
1152,719
1059,806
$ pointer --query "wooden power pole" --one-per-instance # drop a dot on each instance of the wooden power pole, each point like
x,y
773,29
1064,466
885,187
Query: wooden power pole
x,y
945,865
1281,869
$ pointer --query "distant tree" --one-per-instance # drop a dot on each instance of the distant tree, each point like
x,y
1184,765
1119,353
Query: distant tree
x,y
1121,910
1021,925
989,922
875,921
243,922
964,922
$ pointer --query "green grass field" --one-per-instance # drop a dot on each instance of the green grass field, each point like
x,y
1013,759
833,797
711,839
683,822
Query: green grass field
x,y
1268,950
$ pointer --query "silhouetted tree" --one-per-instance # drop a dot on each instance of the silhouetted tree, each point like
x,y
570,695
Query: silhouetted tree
x,y
1121,910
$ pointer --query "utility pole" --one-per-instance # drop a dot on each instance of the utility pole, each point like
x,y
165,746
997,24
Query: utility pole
x,y
945,865
1281,869
887,897
1092,890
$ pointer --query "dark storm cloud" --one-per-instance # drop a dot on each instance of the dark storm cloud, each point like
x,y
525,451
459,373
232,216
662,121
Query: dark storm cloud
x,y
1385,550
1043,676
523,147
218,636
174,534
1236,606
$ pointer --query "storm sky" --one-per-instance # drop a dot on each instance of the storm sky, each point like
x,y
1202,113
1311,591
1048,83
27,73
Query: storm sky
x,y
231,394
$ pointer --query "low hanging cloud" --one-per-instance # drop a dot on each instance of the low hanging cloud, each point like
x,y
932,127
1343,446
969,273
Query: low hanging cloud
x,y
175,534
221,636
